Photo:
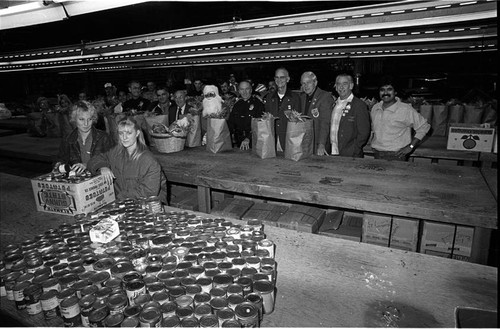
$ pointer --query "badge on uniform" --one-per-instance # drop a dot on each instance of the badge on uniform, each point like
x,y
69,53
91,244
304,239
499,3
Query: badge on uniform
x,y
250,108
315,112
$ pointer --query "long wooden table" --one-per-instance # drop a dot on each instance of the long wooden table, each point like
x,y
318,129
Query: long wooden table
x,y
322,281
448,194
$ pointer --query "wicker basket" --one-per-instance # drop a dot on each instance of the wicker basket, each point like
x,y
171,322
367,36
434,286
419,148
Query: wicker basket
x,y
166,143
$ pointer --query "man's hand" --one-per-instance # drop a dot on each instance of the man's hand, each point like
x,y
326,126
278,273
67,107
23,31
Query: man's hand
x,y
107,174
404,151
78,168
321,150
245,145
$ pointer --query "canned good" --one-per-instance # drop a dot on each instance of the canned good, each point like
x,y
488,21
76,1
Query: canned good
x,y
142,299
256,299
248,272
10,282
86,307
184,300
115,284
205,283
3,274
168,309
231,324
97,317
70,311
88,290
130,323
18,292
49,304
267,245
171,321
103,293
26,277
120,269
32,295
99,278
222,280
176,292
114,320
68,280
184,312
234,299
132,311
117,303
239,262
161,296
265,288
225,314
150,317
247,314
191,322
202,310
104,264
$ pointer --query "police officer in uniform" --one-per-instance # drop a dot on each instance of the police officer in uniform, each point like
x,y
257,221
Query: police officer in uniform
x,y
240,119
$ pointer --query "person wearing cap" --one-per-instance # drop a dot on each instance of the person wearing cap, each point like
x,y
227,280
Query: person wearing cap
x,y
110,99
350,121
317,104
392,125
136,103
279,101
240,118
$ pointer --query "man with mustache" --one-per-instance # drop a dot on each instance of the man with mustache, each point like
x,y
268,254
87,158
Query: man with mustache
x,y
392,124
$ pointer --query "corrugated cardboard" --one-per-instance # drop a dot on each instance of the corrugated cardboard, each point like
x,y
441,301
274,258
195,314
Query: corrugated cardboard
x,y
343,225
302,218
376,229
437,239
469,137
404,233
233,208
462,248
71,198
267,213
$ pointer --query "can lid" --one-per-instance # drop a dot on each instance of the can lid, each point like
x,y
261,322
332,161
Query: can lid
x,y
21,286
103,292
231,324
132,310
218,302
100,277
222,279
202,297
170,321
49,294
235,299
149,315
190,322
168,307
117,300
225,313
98,315
176,291
203,309
113,320
130,322
184,311
66,293
234,288
32,289
204,281
263,286
69,301
87,301
135,284
245,310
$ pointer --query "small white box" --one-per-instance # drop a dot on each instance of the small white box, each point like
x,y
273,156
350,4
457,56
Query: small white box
x,y
376,229
468,137
404,233
104,231
71,198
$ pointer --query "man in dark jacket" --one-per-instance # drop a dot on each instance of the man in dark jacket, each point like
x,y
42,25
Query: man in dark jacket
x,y
350,123
279,101
317,104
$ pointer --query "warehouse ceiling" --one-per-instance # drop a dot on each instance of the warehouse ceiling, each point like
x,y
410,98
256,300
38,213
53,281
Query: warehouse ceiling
x,y
372,29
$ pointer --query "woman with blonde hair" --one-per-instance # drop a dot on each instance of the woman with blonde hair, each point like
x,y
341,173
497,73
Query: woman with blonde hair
x,y
131,165
85,141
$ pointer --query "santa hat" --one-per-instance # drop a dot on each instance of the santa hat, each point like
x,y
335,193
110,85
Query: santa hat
x,y
210,89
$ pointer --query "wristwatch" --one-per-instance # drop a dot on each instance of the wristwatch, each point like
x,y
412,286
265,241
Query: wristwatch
x,y
411,146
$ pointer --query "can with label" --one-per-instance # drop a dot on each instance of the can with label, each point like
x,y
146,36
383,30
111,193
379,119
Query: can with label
x,y
99,278
97,317
161,296
50,304
132,311
256,299
234,299
10,282
202,310
267,245
134,288
150,317
51,284
117,303
247,314
85,304
70,311
246,284
18,292
168,309
225,314
171,321
32,295
3,274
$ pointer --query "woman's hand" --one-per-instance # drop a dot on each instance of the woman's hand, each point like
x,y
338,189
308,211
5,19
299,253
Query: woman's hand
x,y
245,145
107,174
78,168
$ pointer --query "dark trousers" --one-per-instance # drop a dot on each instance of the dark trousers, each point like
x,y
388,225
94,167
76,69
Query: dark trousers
x,y
388,155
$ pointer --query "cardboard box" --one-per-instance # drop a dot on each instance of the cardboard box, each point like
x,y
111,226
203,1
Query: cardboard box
x,y
233,208
437,239
404,233
269,214
468,137
302,218
462,249
71,198
187,200
343,225
376,229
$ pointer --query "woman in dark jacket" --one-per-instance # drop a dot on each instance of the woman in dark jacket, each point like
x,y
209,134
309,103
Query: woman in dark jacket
x,y
85,141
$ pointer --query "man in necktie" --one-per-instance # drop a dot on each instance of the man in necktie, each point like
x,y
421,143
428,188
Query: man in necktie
x,y
178,110
350,122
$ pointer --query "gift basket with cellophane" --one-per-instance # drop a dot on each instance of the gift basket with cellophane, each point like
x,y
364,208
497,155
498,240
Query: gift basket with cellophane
x,y
173,138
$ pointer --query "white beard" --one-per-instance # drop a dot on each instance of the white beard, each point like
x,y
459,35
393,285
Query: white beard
x,y
212,105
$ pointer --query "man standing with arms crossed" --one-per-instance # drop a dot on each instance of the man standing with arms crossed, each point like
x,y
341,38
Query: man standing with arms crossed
x,y
392,122
350,123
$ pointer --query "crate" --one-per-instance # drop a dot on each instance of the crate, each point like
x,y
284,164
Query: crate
x,y
376,229
218,197
404,233
268,213
71,198
185,200
302,218
437,239
233,208
470,137
462,249
343,225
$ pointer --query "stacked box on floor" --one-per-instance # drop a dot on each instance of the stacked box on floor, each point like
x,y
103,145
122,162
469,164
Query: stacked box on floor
x,y
232,208
302,218
268,213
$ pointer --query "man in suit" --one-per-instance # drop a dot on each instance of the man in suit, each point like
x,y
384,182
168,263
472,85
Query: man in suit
x,y
317,104
279,101
179,109
350,122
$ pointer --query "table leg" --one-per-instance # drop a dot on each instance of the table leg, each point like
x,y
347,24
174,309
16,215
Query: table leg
x,y
480,245
204,199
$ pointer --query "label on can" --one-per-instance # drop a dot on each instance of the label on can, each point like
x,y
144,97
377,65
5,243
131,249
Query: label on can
x,y
134,288
34,308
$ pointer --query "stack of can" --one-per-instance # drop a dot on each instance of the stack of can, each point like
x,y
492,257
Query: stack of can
x,y
164,269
